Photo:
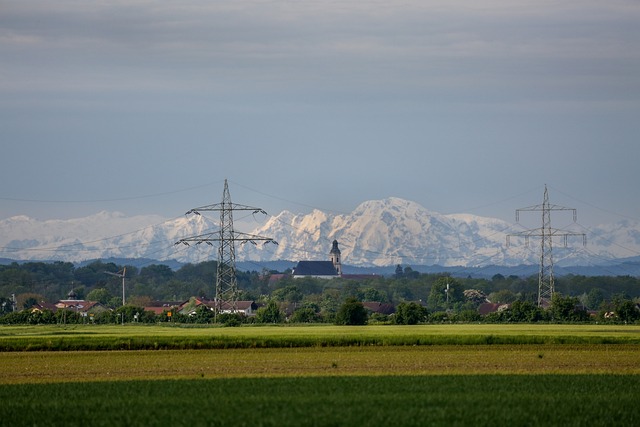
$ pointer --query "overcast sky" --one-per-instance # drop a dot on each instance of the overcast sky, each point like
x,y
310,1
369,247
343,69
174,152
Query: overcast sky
x,y
145,107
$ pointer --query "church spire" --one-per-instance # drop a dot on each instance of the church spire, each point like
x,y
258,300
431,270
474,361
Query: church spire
x,y
334,256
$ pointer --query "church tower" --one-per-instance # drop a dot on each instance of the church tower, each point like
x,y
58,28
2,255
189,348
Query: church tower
x,y
334,256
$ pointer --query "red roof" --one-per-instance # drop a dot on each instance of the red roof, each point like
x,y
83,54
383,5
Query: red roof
x,y
489,307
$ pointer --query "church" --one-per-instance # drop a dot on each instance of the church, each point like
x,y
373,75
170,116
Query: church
x,y
331,269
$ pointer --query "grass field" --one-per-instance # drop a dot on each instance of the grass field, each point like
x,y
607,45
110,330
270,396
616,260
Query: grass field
x,y
133,337
520,400
78,366
323,375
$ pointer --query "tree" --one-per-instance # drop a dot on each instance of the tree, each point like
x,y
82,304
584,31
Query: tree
x,y
497,278
329,304
6,305
595,297
94,273
372,294
28,300
504,296
289,293
445,292
203,314
270,313
410,314
305,315
100,295
409,273
156,273
352,312
114,302
231,319
128,313
525,311
399,272
627,311
474,296
566,309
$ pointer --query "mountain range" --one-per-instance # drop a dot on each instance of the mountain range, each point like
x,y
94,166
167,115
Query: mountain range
x,y
377,233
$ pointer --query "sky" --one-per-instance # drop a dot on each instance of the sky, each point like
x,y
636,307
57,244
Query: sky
x,y
146,107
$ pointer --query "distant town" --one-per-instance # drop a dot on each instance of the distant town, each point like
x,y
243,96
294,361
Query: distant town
x,y
314,291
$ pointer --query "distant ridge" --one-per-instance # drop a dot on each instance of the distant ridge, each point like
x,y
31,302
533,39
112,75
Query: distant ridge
x,y
630,267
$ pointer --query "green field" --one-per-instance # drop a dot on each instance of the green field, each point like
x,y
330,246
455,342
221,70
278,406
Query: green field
x,y
321,375
130,337
510,400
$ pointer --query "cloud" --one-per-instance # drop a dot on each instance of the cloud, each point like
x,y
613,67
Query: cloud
x,y
289,37
283,79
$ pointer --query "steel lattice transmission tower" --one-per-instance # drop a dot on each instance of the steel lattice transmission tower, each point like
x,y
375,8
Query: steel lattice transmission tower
x,y
546,287
226,282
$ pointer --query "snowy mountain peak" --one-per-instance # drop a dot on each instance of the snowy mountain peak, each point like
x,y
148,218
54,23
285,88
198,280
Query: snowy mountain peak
x,y
377,233
19,218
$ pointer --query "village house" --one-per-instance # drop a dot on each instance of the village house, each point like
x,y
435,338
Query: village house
x,y
82,307
189,307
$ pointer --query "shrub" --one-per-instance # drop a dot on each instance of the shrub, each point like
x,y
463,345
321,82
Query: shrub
x,y
352,312
231,319
467,316
410,314
439,317
269,314
305,315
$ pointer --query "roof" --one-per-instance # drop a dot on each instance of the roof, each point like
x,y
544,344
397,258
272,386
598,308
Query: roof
x,y
488,307
76,305
45,306
240,305
157,310
315,268
166,304
378,307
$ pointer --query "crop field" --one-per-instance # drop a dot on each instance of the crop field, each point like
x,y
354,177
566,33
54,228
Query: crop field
x,y
321,375
133,337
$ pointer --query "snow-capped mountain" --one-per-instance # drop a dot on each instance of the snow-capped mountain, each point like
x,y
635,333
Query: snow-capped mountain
x,y
377,233
103,235
396,231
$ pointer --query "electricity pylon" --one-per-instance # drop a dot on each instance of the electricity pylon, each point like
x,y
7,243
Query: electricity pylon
x,y
546,287
226,282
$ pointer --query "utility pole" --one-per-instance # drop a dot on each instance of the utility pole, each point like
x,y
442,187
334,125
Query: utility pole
x,y
226,282
546,287
120,274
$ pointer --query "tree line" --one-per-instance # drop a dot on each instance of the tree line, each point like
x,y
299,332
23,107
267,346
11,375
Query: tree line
x,y
425,297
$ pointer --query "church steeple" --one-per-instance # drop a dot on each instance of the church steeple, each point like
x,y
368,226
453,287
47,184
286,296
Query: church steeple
x,y
334,256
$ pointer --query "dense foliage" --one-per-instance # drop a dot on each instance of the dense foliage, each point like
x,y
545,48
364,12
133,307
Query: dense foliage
x,y
417,298
352,312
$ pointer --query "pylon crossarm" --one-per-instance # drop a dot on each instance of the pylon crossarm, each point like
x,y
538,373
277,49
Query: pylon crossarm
x,y
215,237
543,208
207,237
554,232
226,206
252,238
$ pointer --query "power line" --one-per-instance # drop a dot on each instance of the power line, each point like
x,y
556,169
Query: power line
x,y
118,199
546,233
